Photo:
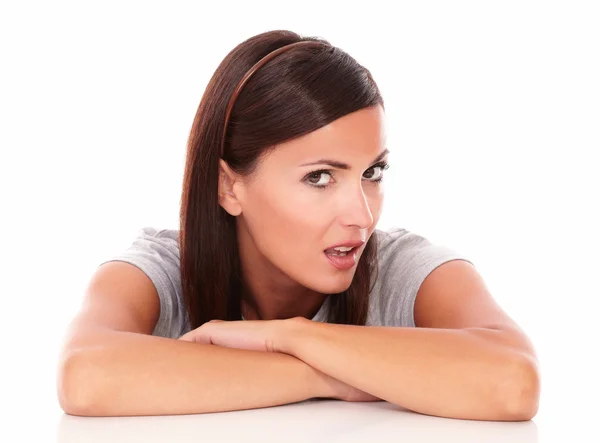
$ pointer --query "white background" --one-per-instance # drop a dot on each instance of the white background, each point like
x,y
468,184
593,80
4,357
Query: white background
x,y
493,112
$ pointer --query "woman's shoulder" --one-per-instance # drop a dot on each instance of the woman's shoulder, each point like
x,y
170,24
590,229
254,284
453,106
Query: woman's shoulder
x,y
404,260
166,236
396,236
155,251
397,242
156,243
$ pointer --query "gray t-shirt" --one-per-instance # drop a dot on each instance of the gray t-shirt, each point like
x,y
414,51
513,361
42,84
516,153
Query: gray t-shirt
x,y
405,259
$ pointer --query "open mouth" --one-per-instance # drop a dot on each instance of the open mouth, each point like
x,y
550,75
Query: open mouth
x,y
342,260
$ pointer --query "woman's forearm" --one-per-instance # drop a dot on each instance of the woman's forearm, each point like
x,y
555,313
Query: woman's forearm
x,y
456,373
122,373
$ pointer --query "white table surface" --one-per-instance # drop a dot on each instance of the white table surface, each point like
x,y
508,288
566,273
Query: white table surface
x,y
309,421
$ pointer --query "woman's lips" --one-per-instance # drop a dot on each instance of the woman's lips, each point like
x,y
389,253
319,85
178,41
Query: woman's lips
x,y
343,262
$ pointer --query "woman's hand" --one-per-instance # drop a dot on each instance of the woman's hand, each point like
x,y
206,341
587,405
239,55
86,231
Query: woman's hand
x,y
267,336
253,335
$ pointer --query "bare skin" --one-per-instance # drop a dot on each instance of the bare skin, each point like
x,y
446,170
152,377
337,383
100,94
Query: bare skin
x,y
285,222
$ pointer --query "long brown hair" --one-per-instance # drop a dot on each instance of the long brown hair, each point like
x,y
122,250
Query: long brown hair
x,y
297,92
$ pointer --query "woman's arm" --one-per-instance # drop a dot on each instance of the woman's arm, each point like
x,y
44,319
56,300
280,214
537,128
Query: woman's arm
x,y
458,373
122,373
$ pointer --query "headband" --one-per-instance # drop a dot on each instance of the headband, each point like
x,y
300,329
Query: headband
x,y
249,74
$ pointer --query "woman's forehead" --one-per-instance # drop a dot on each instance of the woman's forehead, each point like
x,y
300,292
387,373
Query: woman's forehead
x,y
360,135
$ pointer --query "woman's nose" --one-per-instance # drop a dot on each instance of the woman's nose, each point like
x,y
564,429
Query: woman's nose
x,y
356,209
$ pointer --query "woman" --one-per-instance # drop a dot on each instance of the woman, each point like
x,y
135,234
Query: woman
x,y
252,303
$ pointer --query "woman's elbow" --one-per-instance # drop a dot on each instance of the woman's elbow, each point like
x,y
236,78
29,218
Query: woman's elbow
x,y
522,403
73,385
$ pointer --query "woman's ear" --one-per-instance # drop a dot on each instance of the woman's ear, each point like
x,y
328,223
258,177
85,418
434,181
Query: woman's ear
x,y
227,198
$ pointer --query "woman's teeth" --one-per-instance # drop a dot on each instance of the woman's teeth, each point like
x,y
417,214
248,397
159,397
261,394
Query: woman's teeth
x,y
339,253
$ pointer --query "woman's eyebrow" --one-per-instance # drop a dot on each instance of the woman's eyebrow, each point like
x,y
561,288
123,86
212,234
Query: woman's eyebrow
x,y
341,165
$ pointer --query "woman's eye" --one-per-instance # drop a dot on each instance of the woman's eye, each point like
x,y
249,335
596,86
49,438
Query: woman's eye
x,y
378,175
382,166
318,175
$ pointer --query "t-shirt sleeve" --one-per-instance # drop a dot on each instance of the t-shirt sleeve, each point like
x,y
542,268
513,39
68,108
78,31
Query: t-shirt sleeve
x,y
405,260
156,253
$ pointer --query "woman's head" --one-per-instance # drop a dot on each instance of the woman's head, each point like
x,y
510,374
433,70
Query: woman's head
x,y
258,204
289,213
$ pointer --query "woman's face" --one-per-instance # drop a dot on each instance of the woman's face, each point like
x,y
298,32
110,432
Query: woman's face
x,y
288,214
